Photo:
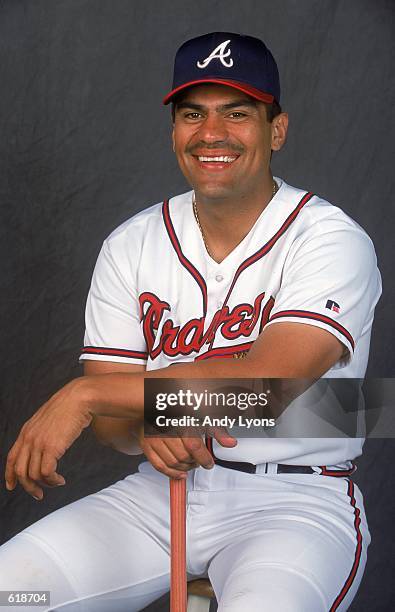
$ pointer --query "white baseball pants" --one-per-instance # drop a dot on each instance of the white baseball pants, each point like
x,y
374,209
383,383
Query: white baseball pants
x,y
270,542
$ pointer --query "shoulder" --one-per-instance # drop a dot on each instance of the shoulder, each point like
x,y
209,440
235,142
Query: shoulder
x,y
320,221
145,225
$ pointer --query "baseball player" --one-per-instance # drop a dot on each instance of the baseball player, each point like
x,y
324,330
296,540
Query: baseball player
x,y
243,264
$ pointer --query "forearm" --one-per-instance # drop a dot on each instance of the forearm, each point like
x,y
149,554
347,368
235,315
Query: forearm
x,y
275,354
121,395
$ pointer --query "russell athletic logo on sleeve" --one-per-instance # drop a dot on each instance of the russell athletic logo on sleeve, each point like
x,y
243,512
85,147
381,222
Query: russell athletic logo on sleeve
x,y
218,53
332,306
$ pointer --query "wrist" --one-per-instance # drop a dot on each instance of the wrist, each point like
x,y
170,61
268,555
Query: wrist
x,y
84,395
112,395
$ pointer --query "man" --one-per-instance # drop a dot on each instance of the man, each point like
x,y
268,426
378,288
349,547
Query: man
x,y
244,265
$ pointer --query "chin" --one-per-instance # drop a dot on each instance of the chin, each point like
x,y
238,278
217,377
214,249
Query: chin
x,y
215,192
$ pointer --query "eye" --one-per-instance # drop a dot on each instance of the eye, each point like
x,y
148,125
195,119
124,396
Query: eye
x,y
192,115
237,115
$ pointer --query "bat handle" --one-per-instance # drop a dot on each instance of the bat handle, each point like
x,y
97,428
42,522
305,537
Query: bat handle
x,y
178,572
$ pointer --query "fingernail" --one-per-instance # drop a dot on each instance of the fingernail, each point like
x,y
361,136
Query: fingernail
x,y
60,484
37,498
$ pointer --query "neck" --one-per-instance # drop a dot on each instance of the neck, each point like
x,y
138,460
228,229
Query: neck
x,y
237,203
224,222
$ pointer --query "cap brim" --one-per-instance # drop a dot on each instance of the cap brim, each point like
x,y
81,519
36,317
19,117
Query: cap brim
x,y
245,88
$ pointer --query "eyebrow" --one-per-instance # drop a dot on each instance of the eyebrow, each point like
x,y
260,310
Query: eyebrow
x,y
223,107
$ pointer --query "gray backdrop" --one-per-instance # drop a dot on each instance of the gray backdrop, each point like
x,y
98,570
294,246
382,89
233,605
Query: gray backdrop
x,y
85,143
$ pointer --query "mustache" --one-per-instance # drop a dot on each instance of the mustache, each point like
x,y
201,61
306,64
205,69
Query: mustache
x,y
219,144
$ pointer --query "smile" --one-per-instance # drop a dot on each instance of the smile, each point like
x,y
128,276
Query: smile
x,y
221,158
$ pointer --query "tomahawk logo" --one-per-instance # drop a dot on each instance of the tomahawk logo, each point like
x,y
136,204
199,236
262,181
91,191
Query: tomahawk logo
x,y
218,53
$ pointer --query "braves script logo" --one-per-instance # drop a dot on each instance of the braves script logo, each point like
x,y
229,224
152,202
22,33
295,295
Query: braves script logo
x,y
176,340
218,53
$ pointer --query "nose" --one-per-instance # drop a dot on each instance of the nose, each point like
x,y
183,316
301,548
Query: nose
x,y
213,129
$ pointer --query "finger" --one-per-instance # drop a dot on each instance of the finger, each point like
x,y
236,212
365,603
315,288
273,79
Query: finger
x,y
159,465
223,437
10,476
199,451
183,456
165,452
48,470
21,471
34,471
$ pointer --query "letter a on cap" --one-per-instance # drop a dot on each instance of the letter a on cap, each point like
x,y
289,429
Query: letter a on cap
x,y
218,53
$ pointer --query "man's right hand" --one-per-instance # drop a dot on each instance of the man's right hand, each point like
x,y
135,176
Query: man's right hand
x,y
174,457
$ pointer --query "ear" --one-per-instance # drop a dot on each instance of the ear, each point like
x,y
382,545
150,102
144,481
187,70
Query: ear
x,y
279,131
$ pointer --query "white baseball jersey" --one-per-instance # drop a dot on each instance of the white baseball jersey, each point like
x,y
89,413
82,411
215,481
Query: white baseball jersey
x,y
157,298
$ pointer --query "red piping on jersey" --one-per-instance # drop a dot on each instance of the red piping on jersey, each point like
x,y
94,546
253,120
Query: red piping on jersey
x,y
306,314
183,260
358,550
99,350
269,245
225,351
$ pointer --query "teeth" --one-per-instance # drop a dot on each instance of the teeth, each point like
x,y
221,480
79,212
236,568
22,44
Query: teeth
x,y
221,158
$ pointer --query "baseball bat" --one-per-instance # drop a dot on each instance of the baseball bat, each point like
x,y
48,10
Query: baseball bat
x,y
178,571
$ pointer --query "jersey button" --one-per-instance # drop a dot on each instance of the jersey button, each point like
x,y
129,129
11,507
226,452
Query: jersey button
x,y
219,278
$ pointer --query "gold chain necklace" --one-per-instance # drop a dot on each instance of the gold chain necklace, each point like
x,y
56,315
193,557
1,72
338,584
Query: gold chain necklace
x,y
274,191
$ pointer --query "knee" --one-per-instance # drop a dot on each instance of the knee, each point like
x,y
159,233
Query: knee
x,y
26,566
20,565
270,591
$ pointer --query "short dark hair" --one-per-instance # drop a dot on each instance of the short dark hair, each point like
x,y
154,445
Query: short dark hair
x,y
272,110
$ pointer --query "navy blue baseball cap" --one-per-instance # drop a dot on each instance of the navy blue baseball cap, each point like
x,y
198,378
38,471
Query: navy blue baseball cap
x,y
239,61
